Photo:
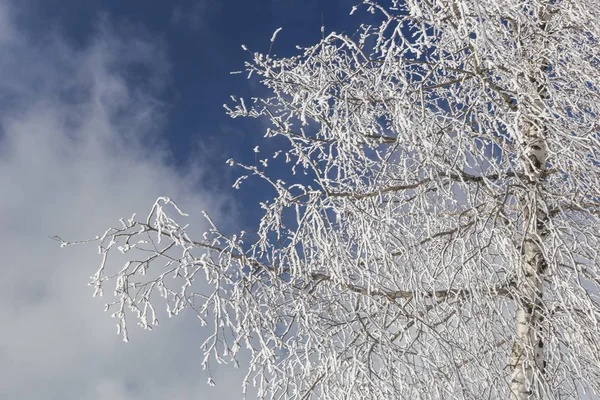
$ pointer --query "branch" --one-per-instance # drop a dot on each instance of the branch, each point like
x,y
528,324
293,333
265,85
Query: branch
x,y
499,290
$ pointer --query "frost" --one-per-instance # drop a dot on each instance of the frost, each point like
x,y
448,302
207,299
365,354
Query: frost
x,y
275,34
441,236
239,181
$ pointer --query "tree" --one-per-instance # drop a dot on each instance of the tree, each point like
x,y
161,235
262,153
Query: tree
x,y
439,238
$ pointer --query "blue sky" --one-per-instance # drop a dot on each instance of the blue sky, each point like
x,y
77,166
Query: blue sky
x,y
202,41
104,106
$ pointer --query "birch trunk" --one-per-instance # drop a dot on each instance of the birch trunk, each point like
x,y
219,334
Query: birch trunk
x,y
527,355
527,358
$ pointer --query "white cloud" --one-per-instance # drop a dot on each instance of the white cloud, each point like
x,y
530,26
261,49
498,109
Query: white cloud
x,y
79,148
6,32
193,17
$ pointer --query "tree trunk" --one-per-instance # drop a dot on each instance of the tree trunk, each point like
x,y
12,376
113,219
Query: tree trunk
x,y
528,349
527,359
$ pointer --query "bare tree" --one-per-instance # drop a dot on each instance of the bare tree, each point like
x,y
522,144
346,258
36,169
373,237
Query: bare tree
x,y
439,237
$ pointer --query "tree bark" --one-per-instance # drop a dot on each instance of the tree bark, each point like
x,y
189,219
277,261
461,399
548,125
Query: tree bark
x,y
527,358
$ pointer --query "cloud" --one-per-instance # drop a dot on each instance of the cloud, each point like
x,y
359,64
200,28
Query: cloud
x,y
81,147
6,33
192,17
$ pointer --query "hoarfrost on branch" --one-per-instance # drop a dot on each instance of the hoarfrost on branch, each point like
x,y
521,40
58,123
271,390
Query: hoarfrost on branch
x,y
442,240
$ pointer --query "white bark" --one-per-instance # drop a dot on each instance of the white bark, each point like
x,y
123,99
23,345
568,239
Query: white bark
x,y
527,359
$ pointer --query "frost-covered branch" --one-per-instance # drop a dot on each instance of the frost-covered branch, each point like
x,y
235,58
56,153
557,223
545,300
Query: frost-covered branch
x,y
435,232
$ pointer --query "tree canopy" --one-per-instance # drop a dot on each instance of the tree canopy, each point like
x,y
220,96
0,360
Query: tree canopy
x,y
437,235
